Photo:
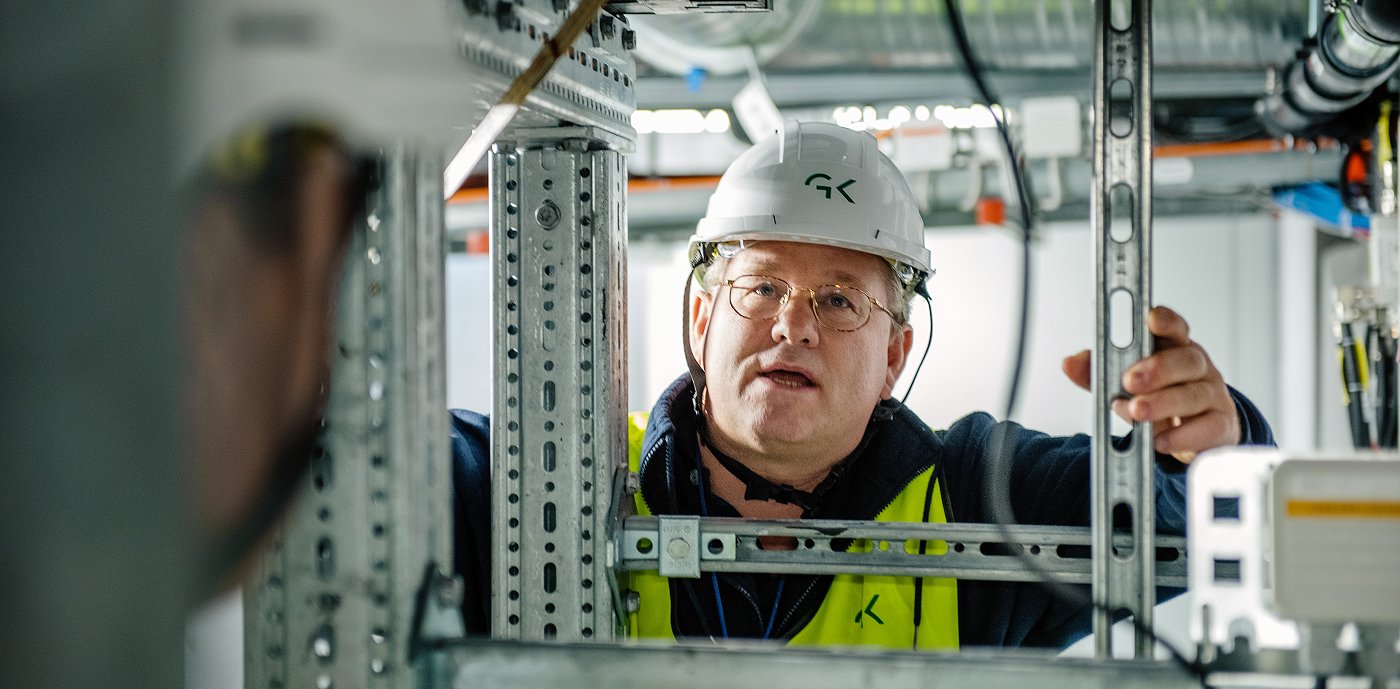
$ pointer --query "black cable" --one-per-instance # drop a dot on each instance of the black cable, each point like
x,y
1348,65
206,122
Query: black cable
x,y
1352,385
995,488
974,72
1387,383
927,346
1375,388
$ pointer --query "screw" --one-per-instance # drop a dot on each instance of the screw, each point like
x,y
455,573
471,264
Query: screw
x,y
633,601
450,592
547,215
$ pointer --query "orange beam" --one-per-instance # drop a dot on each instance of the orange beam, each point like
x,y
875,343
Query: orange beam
x,y
1202,150
635,185
1237,148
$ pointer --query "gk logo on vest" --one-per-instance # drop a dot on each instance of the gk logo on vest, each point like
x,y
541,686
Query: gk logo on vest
x,y
827,189
869,611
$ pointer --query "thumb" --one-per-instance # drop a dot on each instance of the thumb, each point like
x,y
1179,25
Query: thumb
x,y
1076,368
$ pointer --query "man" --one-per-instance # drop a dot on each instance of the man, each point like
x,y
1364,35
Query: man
x,y
270,217
807,259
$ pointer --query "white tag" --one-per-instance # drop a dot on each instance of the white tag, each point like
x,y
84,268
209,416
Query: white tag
x,y
756,111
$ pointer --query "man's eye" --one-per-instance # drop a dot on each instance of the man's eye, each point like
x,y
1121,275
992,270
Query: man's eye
x,y
766,289
838,301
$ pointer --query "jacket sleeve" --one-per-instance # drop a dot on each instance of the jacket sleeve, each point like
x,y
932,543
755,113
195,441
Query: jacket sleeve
x,y
1046,480
471,511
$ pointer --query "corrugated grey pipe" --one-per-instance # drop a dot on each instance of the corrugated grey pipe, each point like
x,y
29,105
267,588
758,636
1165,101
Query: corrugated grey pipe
x,y
1354,52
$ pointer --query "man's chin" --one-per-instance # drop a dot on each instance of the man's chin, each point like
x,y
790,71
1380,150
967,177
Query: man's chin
x,y
784,433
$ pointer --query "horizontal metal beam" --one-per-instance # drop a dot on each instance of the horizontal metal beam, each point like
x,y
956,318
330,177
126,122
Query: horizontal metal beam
x,y
511,665
1217,184
973,551
857,87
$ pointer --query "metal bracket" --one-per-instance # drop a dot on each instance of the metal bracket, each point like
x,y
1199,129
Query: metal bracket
x,y
589,136
679,545
676,544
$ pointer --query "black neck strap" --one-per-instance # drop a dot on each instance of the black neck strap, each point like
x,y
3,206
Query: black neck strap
x,y
697,374
757,487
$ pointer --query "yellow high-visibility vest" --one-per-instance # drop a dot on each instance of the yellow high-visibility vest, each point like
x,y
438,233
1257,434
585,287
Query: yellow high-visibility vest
x,y
859,610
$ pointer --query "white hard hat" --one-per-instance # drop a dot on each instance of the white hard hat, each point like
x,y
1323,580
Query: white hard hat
x,y
819,183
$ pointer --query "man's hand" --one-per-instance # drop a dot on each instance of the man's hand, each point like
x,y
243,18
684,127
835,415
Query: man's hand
x,y
1177,388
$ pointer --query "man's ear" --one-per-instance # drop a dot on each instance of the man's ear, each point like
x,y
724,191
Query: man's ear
x,y
701,308
896,355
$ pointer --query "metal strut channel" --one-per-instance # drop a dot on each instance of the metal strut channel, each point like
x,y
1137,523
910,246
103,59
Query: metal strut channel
x,y
705,665
824,546
1121,480
558,427
334,605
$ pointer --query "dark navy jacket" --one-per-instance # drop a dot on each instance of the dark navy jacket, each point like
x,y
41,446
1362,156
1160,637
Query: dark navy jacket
x,y
1047,479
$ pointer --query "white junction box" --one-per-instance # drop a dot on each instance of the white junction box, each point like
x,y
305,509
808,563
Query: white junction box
x,y
1336,540
1227,551
1052,127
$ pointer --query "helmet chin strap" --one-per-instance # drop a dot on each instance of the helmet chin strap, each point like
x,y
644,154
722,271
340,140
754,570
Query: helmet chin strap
x,y
757,487
697,374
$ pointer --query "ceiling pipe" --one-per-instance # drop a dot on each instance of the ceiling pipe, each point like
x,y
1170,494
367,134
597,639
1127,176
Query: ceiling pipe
x,y
1356,50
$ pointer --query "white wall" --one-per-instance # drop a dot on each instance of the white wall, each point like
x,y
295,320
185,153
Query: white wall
x,y
468,332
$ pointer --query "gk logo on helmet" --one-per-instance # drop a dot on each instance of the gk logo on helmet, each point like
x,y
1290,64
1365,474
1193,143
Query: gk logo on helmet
x,y
827,188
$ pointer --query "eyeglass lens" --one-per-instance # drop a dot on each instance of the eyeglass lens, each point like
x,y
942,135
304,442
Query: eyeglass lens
x,y
760,297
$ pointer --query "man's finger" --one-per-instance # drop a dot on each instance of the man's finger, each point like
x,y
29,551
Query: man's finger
x,y
1120,407
1195,434
1165,369
1178,401
1170,329
1076,368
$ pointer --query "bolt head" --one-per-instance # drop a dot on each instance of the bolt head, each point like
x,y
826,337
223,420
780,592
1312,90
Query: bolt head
x,y
451,591
548,215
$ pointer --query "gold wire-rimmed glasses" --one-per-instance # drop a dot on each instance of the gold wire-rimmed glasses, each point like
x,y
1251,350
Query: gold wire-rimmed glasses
x,y
837,307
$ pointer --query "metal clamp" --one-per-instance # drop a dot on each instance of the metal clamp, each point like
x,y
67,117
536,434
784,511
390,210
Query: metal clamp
x,y
677,545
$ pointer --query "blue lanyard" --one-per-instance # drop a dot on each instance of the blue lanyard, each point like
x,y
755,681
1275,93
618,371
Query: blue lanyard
x,y
714,576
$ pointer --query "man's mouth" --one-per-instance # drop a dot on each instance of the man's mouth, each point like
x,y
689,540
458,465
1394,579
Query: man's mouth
x,y
789,378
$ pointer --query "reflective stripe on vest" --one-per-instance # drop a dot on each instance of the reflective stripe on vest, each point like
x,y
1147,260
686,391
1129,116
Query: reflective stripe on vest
x,y
858,610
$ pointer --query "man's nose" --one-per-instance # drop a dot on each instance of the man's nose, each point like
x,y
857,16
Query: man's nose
x,y
797,322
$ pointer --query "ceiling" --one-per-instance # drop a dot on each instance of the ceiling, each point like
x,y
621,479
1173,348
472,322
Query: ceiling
x,y
813,52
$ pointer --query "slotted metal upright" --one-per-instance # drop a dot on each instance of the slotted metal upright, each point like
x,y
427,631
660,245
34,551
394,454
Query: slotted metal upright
x,y
1122,479
337,600
558,237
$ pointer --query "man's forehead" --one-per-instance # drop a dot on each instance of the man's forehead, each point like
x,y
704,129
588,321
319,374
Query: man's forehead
x,y
829,264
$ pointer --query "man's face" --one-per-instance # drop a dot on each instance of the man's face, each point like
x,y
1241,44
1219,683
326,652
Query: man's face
x,y
788,384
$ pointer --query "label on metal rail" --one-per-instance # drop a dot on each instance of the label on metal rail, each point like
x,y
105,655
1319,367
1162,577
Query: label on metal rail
x,y
679,547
